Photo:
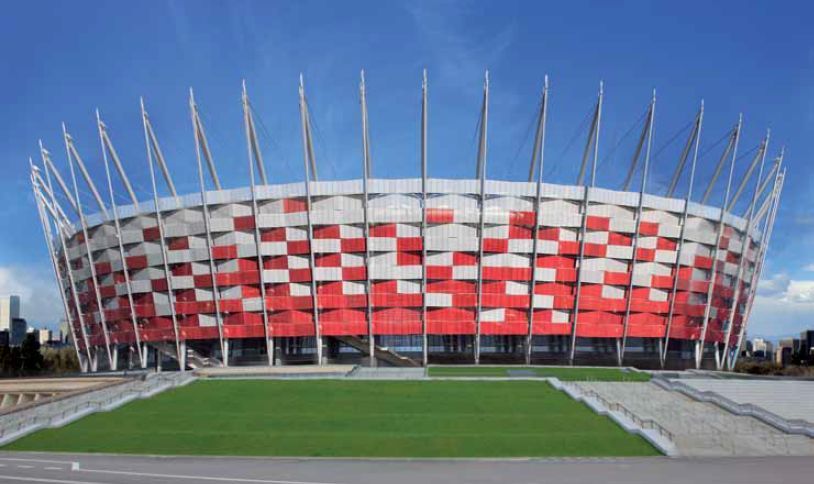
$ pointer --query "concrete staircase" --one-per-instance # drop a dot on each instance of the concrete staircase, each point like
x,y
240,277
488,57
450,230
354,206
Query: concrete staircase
x,y
698,428
15,399
62,411
193,360
789,399
380,353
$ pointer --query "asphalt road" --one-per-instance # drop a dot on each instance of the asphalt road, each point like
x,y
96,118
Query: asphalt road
x,y
104,469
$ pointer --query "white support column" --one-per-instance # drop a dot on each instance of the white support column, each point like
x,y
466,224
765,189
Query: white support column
x,y
46,231
593,136
251,141
71,149
198,132
66,258
159,155
639,209
203,143
107,143
114,206
767,235
309,161
538,153
770,178
59,213
50,168
484,124
94,361
226,352
148,137
699,351
182,361
87,240
696,143
583,230
254,146
366,168
745,180
424,349
745,247
114,362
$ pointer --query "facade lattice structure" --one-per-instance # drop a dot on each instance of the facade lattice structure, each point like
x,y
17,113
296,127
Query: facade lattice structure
x,y
408,271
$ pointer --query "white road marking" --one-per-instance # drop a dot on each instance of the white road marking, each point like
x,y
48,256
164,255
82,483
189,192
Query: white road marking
x,y
25,467
17,459
53,468
75,467
50,481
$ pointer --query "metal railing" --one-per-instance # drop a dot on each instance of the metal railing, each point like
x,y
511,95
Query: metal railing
x,y
645,423
789,426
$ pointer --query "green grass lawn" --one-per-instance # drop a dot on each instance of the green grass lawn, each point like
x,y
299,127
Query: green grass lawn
x,y
348,419
564,374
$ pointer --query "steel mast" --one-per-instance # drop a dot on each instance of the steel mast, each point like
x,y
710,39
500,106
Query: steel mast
x,y
537,153
592,145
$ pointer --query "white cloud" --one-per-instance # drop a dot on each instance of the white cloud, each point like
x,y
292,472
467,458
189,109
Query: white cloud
x,y
774,287
809,268
784,289
783,306
800,292
39,298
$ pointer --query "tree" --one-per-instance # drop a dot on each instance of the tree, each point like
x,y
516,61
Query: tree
x,y
15,361
60,360
5,361
30,356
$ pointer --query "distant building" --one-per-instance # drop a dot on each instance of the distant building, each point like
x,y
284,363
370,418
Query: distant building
x,y
65,336
807,344
782,355
19,328
785,350
9,311
792,343
748,350
44,336
13,328
762,348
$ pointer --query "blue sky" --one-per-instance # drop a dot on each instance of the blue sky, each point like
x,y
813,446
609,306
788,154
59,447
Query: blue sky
x,y
62,60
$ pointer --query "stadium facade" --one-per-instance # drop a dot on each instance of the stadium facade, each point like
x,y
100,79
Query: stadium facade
x,y
409,271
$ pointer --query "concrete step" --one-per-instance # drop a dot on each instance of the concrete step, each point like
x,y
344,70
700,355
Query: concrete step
x,y
700,428
384,354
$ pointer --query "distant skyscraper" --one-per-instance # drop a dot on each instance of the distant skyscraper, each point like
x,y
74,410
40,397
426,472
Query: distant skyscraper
x,y
9,311
19,328
807,343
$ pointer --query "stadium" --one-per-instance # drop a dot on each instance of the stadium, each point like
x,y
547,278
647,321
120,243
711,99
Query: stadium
x,y
409,272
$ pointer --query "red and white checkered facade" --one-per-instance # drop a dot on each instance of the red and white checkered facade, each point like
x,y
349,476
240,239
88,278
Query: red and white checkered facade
x,y
391,256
